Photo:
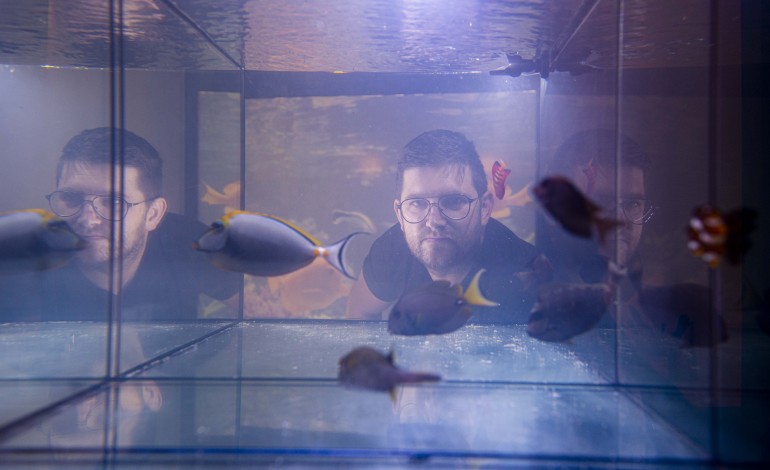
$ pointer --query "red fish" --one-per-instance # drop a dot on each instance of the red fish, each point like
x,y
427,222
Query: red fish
x,y
574,211
369,369
712,236
499,175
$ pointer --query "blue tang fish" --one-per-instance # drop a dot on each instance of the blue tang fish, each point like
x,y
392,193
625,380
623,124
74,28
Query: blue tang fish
x,y
265,245
35,240
436,308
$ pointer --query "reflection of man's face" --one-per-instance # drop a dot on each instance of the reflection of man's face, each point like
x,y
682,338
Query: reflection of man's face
x,y
443,244
602,191
92,180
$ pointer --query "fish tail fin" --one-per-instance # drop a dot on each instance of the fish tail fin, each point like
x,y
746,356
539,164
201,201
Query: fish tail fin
x,y
603,226
474,296
334,254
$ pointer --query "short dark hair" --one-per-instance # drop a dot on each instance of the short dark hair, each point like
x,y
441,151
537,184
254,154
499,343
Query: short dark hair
x,y
600,145
94,146
442,147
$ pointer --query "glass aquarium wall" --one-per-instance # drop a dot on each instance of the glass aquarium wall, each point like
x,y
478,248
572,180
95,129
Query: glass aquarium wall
x,y
139,136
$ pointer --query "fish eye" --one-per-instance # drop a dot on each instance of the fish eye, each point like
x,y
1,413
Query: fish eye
x,y
217,225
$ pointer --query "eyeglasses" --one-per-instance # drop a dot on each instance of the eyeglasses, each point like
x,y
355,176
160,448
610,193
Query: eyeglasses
x,y
70,203
452,206
637,211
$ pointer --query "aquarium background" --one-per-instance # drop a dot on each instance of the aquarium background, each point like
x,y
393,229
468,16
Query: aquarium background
x,y
301,112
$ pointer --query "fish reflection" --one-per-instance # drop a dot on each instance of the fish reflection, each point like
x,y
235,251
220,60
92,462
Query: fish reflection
x,y
230,196
684,311
712,236
264,245
35,240
436,308
540,271
369,369
565,310
574,211
499,175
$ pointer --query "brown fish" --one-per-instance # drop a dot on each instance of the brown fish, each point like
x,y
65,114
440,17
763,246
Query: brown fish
x,y
369,369
437,308
540,271
684,311
572,209
564,310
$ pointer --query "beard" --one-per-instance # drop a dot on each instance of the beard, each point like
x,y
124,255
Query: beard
x,y
99,249
444,250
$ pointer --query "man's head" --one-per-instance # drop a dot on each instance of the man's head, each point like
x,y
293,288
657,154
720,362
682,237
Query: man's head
x,y
86,198
588,158
442,204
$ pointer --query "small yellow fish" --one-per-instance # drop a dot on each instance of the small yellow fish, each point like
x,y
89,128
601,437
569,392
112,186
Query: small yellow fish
x,y
265,245
437,308
35,240
230,196
520,198
368,369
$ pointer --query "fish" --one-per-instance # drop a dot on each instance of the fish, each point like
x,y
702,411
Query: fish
x,y
369,369
313,287
712,236
576,213
539,272
358,219
499,175
33,240
684,311
230,196
565,310
265,245
436,308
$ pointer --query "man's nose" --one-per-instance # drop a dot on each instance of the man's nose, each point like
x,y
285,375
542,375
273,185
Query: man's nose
x,y
88,215
435,218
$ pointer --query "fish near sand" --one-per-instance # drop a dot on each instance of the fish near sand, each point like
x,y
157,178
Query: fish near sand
x,y
265,245
436,308
499,175
684,311
35,240
712,236
564,310
368,369
572,209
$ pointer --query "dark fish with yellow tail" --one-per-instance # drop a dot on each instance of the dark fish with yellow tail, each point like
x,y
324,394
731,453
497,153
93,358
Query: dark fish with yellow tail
x,y
367,368
265,245
576,213
35,240
684,311
564,310
712,236
437,308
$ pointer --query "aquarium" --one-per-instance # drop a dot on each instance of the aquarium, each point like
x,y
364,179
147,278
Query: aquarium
x,y
223,241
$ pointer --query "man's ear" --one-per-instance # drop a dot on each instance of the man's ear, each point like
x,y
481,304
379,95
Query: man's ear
x,y
398,214
155,213
487,204
152,396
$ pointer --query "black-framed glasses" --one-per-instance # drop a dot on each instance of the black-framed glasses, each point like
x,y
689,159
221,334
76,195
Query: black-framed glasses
x,y
70,203
637,211
451,206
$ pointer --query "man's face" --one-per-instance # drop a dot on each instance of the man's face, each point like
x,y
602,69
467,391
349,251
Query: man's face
x,y
92,180
601,190
440,243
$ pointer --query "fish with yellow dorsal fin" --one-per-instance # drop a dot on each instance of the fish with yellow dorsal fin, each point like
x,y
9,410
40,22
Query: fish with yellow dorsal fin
x,y
436,308
35,240
368,369
265,245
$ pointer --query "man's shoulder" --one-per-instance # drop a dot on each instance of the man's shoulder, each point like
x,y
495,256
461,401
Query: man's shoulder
x,y
501,245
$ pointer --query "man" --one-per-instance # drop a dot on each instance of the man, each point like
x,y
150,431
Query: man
x,y
444,232
135,251
588,159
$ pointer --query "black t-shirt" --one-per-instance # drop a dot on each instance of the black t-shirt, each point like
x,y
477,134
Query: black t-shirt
x,y
390,269
166,285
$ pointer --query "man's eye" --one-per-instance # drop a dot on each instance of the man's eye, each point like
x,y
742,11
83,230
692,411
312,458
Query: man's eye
x,y
453,202
417,203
